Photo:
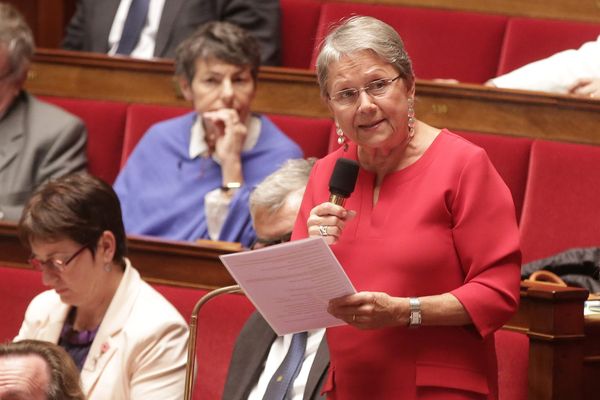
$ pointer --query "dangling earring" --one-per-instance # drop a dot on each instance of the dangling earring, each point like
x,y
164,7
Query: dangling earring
x,y
411,118
341,139
107,267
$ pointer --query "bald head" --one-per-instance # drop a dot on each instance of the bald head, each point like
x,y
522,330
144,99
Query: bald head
x,y
24,377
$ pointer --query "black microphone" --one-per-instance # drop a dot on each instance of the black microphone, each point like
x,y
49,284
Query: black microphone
x,y
342,181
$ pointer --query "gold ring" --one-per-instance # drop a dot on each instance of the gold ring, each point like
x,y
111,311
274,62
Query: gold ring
x,y
323,230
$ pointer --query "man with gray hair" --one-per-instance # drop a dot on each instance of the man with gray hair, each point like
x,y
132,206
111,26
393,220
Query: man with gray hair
x,y
259,353
36,370
38,141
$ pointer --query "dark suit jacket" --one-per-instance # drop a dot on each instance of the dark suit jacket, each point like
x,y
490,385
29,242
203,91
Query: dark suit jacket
x,y
38,141
89,28
249,356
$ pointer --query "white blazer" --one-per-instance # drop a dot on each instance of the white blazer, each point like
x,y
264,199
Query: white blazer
x,y
139,351
556,73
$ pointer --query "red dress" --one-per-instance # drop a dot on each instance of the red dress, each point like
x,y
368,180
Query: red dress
x,y
444,224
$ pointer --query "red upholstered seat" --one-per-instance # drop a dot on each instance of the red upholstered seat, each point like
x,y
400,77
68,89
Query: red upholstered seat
x,y
140,117
105,122
18,286
510,156
512,353
219,323
530,39
442,44
561,209
299,20
311,134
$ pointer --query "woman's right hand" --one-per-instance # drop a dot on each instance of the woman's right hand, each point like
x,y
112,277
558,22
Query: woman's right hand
x,y
328,220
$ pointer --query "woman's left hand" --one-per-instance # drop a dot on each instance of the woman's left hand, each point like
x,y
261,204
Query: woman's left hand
x,y
370,310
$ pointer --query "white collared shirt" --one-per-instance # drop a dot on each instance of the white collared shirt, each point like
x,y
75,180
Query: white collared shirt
x,y
147,43
216,203
279,349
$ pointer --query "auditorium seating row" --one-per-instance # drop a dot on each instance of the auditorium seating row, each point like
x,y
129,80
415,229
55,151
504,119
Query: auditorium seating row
x,y
468,46
554,184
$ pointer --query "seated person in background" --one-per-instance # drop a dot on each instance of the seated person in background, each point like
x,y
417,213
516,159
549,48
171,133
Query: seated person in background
x,y
259,351
127,340
36,370
190,177
38,141
575,71
154,28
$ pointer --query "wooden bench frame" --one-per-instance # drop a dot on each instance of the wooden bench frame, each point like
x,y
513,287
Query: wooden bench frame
x,y
295,92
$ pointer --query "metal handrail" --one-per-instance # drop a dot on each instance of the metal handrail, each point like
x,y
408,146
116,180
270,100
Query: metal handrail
x,y
190,370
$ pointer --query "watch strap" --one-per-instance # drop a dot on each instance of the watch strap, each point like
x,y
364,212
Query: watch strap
x,y
414,318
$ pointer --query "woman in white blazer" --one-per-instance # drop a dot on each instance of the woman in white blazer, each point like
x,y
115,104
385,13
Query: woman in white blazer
x,y
128,341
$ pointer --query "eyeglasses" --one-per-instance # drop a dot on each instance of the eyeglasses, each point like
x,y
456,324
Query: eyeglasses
x,y
378,88
54,264
260,243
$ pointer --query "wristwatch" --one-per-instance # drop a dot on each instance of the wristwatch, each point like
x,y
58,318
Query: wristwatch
x,y
414,318
231,185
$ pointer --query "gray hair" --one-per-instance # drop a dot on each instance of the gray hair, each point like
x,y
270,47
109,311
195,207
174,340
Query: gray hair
x,y
64,376
359,33
217,40
272,193
17,38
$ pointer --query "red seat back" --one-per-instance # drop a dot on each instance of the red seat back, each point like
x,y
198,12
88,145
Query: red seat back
x,y
219,322
299,20
510,156
530,39
561,209
18,286
441,44
140,117
311,134
105,122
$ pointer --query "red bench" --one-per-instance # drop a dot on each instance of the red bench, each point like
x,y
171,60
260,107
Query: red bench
x,y
468,46
105,122
529,39
442,44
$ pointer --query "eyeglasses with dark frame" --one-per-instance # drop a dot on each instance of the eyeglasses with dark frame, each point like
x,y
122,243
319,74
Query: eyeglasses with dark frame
x,y
54,264
261,243
377,88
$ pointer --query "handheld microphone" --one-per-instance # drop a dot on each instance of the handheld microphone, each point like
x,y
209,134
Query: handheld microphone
x,y
342,181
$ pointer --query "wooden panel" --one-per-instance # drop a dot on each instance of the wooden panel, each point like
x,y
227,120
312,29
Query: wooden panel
x,y
295,92
46,18
580,10
159,261
556,335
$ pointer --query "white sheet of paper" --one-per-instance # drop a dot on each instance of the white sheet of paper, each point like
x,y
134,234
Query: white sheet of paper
x,y
290,284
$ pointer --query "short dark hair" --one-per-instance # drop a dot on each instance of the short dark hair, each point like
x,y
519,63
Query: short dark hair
x,y
217,40
79,207
64,375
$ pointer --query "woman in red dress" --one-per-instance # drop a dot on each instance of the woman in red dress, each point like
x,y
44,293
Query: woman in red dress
x,y
428,238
